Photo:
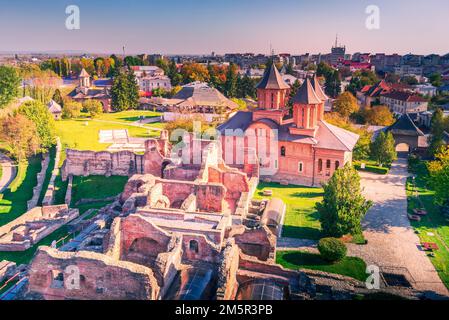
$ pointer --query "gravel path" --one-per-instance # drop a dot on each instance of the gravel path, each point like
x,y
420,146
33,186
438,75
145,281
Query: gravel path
x,y
297,244
391,239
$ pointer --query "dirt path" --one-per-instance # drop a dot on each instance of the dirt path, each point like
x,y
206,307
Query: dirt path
x,y
8,172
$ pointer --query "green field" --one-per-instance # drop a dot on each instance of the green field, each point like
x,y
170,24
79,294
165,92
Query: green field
x,y
96,187
82,133
349,266
301,218
433,227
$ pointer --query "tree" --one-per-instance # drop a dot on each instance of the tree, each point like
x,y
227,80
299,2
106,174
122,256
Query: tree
x,y
436,137
439,176
360,79
436,80
125,92
37,112
192,71
71,109
57,97
9,85
383,149
343,205
93,107
378,116
346,104
20,136
332,86
246,87
231,81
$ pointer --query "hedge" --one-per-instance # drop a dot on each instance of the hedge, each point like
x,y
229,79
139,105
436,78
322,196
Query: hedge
x,y
373,169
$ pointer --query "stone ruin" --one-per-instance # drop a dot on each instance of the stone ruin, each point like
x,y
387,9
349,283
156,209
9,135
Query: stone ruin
x,y
180,232
34,225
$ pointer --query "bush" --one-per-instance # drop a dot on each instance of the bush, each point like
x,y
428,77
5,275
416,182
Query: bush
x,y
372,169
332,249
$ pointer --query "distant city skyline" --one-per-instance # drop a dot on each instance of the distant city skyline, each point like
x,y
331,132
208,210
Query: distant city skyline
x,y
232,26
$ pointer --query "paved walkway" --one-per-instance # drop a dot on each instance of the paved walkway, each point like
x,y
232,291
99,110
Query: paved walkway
x,y
391,239
8,172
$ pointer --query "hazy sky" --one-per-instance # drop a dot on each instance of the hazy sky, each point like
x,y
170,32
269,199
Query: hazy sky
x,y
203,26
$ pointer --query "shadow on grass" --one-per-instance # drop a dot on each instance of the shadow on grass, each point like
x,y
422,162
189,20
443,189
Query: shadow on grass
x,y
14,200
301,232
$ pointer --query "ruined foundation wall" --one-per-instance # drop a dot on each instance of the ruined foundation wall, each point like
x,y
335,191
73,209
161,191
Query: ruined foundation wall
x,y
100,277
85,163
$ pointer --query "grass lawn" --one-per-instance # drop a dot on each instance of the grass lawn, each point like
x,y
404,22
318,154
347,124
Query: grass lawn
x,y
13,202
96,187
48,173
433,223
301,218
74,133
349,266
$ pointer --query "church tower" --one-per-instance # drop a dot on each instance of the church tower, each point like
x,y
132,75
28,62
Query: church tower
x,y
84,79
272,96
308,110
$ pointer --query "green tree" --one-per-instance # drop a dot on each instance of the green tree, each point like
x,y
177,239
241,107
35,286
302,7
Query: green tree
x,y
57,97
436,137
20,136
383,149
346,104
231,81
9,85
37,112
439,176
93,107
332,86
71,109
125,92
343,205
246,87
436,80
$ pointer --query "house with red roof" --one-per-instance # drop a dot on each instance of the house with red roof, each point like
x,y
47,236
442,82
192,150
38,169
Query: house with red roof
x,y
300,147
370,95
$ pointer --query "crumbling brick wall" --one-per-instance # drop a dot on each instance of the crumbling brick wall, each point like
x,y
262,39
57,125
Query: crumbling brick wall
x,y
104,163
55,275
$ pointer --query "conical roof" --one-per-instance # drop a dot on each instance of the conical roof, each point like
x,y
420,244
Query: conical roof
x,y
84,74
318,90
306,94
272,80
405,126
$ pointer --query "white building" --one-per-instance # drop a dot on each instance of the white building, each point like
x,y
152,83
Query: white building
x,y
425,89
401,102
149,83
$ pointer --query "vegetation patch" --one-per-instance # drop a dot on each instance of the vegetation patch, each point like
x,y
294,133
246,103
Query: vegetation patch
x,y
301,217
349,266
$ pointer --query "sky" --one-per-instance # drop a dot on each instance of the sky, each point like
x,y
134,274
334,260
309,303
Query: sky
x,y
224,26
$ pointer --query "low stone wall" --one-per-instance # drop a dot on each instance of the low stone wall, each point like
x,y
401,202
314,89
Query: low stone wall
x,y
34,225
49,195
40,182
104,163
68,194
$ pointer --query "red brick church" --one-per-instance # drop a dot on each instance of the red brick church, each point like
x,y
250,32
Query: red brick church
x,y
309,149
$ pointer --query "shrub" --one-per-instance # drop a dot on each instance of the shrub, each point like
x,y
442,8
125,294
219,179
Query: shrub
x,y
372,169
332,249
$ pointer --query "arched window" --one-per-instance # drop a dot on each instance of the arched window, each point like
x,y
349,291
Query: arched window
x,y
337,165
193,246
282,151
300,167
328,164
320,165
